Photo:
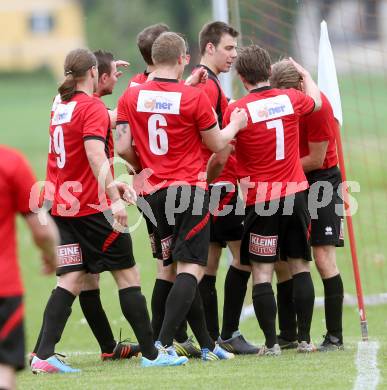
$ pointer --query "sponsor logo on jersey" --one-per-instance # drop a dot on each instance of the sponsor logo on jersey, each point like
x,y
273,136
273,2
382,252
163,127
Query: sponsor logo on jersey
x,y
70,254
270,108
63,113
159,102
166,247
56,102
133,84
263,245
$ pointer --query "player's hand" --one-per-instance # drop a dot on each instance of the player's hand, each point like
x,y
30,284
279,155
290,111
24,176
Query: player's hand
x,y
301,70
200,75
127,193
239,116
121,64
49,263
120,218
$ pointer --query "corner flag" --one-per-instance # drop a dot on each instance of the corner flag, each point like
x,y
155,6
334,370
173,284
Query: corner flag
x,y
328,84
327,78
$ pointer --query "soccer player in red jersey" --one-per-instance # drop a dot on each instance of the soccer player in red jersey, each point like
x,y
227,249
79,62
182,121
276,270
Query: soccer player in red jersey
x,y
274,184
319,161
217,43
89,298
145,40
177,117
90,214
163,283
16,181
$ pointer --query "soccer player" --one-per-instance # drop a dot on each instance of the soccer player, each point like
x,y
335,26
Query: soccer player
x,y
217,43
90,214
89,298
145,41
319,161
184,345
274,184
175,118
16,181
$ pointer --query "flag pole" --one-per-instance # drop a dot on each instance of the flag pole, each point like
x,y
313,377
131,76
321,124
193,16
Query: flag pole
x,y
328,84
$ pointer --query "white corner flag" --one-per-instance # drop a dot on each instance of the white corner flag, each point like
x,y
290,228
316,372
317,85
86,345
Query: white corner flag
x,y
327,77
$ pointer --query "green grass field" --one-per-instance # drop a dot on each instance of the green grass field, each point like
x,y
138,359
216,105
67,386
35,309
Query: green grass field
x,y
25,102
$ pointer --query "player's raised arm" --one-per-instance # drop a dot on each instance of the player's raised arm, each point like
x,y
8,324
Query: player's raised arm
x,y
217,162
216,139
310,87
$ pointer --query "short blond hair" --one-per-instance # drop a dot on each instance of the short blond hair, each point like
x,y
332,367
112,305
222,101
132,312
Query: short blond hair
x,y
167,49
284,75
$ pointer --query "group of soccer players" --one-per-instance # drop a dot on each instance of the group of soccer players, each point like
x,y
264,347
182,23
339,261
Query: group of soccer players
x,y
208,173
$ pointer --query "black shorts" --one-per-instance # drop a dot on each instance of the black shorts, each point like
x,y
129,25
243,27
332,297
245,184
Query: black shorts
x,y
266,238
90,244
12,347
227,213
178,225
328,227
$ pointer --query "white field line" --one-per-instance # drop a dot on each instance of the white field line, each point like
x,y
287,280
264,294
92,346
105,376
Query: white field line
x,y
367,366
349,300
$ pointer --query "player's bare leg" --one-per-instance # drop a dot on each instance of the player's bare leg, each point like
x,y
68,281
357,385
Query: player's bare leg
x,y
325,258
303,295
264,306
287,339
235,288
7,377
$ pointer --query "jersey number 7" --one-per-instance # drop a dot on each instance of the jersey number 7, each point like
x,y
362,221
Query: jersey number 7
x,y
277,124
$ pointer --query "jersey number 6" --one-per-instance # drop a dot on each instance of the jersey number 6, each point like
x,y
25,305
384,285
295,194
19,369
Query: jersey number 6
x,y
158,139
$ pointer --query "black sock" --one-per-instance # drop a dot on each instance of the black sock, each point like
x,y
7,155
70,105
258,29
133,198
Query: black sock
x,y
181,333
265,310
133,306
42,326
303,295
207,288
235,287
197,322
287,320
160,293
178,304
95,315
334,295
57,312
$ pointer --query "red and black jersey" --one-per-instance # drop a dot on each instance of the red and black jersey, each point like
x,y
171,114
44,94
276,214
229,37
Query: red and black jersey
x,y
165,119
219,103
109,142
51,168
76,189
139,78
267,150
320,126
16,181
